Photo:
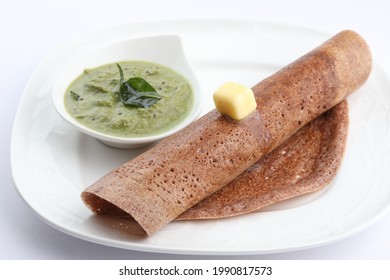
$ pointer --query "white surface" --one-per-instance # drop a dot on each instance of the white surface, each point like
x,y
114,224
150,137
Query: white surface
x,y
30,29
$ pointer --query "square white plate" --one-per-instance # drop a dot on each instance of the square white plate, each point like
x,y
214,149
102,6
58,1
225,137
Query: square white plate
x,y
52,162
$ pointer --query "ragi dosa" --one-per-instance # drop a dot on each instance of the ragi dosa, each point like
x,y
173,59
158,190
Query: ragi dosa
x,y
182,170
304,163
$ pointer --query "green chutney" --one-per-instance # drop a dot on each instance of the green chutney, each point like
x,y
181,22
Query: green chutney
x,y
99,107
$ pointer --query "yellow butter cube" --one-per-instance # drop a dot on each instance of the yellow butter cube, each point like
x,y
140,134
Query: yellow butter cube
x,y
234,100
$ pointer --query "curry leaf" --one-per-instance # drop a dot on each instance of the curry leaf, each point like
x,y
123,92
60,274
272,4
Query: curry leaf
x,y
136,91
75,96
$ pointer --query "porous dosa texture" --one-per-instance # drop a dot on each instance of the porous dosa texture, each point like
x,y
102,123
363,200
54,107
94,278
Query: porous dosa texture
x,y
162,183
304,163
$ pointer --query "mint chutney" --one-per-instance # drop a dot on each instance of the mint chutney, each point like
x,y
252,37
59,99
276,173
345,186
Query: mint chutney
x,y
93,99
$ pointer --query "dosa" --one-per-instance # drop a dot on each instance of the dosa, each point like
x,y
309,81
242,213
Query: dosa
x,y
304,163
182,170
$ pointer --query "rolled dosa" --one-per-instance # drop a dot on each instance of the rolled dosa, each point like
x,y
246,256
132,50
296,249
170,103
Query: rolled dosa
x,y
306,162
160,184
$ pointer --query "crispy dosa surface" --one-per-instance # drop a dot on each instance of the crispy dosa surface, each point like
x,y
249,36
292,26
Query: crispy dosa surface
x,y
162,183
304,163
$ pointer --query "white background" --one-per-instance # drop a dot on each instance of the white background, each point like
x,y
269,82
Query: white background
x,y
30,29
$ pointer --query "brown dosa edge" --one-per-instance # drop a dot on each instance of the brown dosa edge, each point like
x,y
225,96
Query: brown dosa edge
x,y
162,183
304,163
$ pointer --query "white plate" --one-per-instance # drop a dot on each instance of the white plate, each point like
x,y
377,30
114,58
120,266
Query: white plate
x,y
52,162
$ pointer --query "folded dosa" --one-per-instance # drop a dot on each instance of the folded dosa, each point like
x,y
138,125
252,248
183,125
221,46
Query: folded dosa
x,y
304,163
162,183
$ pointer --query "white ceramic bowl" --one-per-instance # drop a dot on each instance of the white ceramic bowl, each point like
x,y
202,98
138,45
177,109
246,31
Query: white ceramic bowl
x,y
166,50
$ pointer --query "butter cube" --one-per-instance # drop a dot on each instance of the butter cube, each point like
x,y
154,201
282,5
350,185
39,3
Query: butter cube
x,y
234,100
